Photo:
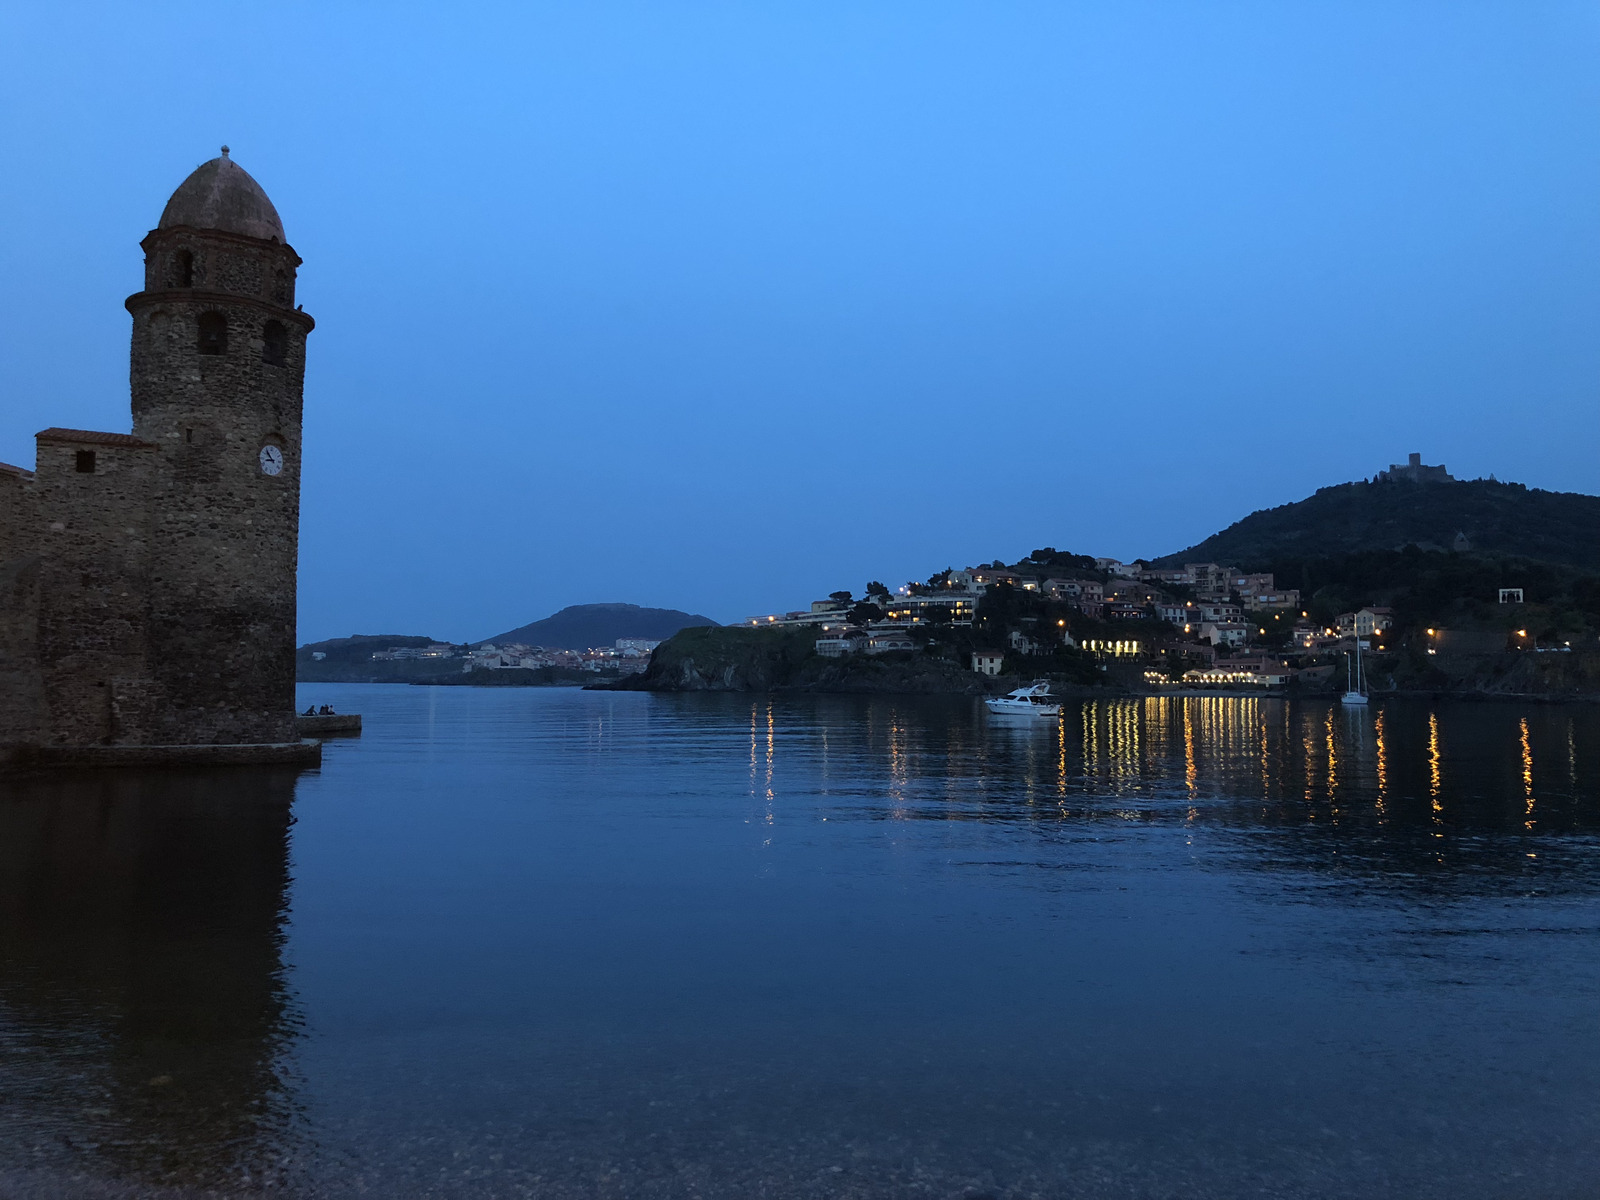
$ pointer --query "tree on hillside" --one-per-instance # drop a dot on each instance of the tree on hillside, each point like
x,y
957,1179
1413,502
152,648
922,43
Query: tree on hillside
x,y
1061,560
864,613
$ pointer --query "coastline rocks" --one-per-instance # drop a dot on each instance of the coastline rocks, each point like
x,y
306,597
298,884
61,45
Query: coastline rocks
x,y
764,660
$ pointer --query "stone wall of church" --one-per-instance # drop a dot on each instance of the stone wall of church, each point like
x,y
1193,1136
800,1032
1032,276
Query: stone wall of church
x,y
147,581
94,583
212,261
21,687
222,599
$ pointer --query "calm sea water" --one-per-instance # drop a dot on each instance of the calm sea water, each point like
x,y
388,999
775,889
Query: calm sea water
x,y
554,943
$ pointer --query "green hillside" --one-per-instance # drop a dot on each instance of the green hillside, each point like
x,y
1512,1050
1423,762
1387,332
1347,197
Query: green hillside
x,y
1353,518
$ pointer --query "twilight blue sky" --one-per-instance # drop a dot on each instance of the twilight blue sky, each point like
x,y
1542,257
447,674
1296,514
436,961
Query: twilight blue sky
x,y
724,306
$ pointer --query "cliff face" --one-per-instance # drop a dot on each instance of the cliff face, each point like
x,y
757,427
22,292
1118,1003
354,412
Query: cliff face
x,y
1553,675
765,660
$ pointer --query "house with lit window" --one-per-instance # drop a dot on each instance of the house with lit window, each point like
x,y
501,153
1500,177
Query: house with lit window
x,y
1177,612
1225,633
839,643
1366,622
884,637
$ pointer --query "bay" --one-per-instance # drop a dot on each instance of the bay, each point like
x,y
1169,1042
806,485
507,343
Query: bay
x,y
544,942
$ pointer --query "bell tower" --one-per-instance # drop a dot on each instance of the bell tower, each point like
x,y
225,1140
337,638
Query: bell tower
x,y
217,371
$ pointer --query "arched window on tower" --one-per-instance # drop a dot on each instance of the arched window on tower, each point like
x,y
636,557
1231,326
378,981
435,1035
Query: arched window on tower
x,y
183,269
275,344
213,333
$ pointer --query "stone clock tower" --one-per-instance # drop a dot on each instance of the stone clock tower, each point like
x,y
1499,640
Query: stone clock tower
x,y
218,366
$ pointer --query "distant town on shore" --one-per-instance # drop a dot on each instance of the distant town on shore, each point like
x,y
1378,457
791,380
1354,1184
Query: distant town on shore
x,y
1446,585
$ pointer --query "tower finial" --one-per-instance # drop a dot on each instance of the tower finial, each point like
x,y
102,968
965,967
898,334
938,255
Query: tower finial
x,y
224,152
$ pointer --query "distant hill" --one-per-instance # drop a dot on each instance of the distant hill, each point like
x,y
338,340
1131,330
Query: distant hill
x,y
580,626
349,660
1496,518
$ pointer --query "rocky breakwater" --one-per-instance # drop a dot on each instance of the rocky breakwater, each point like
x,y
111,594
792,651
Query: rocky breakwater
x,y
733,659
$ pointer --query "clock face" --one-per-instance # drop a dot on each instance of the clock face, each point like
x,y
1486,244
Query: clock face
x,y
271,460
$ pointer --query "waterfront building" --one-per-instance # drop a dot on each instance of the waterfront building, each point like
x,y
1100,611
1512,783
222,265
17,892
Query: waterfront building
x,y
1234,674
840,642
885,636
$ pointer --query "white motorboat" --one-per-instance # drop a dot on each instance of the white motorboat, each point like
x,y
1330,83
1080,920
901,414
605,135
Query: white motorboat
x,y
1031,701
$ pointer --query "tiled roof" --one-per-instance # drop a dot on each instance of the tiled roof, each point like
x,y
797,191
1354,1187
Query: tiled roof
x,y
11,470
93,437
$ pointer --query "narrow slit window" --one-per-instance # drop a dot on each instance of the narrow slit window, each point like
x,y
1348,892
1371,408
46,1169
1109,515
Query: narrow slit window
x,y
183,269
85,462
213,333
275,344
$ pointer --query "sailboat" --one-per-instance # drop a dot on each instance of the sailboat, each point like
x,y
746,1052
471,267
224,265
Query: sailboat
x,y
1355,682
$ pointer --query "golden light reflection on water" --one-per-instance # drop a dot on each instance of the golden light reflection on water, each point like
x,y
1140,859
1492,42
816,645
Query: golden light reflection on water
x,y
771,745
763,790
1091,741
1125,728
1061,765
1125,757
898,767
1191,770
1310,745
1266,759
1527,772
1383,764
1333,766
1435,775
755,714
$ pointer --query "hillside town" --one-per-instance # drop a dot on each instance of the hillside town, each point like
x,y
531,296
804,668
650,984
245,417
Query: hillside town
x,y
1203,624
628,656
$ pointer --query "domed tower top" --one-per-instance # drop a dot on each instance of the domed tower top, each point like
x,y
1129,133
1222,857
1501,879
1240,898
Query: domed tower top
x,y
221,195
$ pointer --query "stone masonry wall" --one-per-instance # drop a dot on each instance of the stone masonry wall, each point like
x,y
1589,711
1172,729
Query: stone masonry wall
x,y
21,687
222,580
94,543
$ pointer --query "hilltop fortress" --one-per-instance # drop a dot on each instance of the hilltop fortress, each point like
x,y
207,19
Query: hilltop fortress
x,y
147,580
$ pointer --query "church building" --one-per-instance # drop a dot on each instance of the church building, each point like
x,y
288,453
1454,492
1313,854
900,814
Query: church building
x,y
147,579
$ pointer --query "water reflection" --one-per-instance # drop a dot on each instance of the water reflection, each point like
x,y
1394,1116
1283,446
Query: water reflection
x,y
1408,786
604,945
144,1019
